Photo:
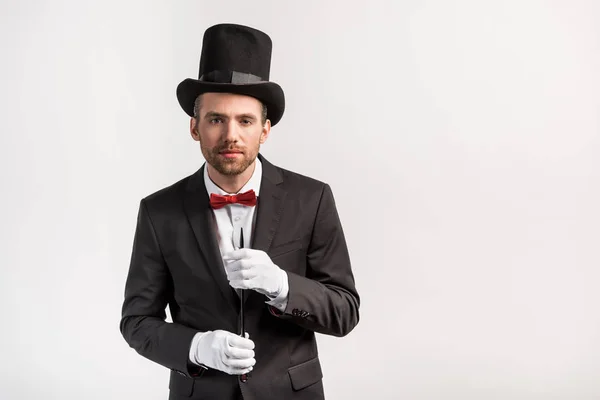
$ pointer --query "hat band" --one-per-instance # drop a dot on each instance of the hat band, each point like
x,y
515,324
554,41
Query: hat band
x,y
235,77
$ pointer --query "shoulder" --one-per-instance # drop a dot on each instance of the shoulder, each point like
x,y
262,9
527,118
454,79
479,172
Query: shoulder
x,y
302,181
168,195
303,188
291,180
307,194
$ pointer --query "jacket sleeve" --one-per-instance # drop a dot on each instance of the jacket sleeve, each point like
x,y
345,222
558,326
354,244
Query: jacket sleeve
x,y
325,300
148,289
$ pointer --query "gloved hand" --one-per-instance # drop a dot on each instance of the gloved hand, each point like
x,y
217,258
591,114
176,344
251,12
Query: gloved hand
x,y
226,352
253,269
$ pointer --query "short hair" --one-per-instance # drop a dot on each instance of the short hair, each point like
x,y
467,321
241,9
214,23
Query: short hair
x,y
198,104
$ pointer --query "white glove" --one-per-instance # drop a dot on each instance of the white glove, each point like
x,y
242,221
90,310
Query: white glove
x,y
253,269
225,351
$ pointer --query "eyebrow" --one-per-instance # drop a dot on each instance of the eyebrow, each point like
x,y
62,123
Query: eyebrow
x,y
214,114
247,116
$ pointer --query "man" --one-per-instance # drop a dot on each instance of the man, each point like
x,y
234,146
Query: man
x,y
239,236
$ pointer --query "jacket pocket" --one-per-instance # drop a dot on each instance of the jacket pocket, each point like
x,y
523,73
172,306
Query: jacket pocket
x,y
181,384
305,374
285,248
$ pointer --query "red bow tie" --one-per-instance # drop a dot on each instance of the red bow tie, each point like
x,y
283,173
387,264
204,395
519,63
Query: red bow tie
x,y
247,199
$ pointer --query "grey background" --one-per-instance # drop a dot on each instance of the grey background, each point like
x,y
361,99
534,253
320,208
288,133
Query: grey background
x,y
461,139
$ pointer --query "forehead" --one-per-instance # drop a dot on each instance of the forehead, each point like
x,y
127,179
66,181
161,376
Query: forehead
x,y
229,103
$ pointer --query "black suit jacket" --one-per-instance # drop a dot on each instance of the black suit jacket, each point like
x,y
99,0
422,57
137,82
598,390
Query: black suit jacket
x,y
176,262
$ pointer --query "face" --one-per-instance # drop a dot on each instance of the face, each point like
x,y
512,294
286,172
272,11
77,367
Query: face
x,y
230,131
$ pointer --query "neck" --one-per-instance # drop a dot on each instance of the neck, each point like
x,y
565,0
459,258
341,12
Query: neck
x,y
230,183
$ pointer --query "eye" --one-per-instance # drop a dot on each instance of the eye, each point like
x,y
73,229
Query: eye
x,y
215,120
246,122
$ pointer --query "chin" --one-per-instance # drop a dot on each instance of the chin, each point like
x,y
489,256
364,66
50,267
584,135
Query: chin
x,y
230,169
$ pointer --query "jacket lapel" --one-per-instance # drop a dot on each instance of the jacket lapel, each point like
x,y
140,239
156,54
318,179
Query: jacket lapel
x,y
197,208
270,205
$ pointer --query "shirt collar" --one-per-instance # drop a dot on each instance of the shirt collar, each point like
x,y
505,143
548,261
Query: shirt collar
x,y
252,184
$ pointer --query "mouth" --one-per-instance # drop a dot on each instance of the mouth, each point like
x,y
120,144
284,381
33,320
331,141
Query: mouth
x,y
230,153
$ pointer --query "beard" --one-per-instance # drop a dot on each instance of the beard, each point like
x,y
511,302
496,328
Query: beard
x,y
229,166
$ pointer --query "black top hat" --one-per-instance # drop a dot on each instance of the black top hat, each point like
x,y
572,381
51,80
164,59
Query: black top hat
x,y
234,59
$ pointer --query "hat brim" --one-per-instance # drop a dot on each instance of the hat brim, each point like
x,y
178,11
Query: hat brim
x,y
269,93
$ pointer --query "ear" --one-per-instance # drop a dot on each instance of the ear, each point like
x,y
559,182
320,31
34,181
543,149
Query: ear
x,y
264,135
194,129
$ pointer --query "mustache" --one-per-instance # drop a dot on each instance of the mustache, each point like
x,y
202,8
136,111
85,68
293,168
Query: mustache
x,y
229,149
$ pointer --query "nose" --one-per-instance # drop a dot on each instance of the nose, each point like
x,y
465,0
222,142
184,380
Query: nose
x,y
230,131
